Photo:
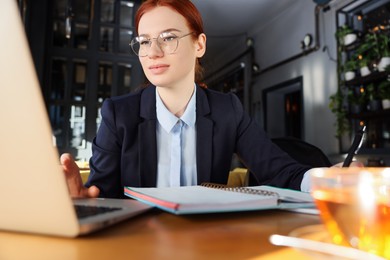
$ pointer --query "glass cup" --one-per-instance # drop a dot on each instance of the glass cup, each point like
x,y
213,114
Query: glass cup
x,y
354,205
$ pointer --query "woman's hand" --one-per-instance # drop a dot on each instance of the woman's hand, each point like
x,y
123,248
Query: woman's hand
x,y
74,181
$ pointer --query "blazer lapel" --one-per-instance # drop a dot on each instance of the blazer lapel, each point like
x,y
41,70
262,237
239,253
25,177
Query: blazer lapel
x,y
147,145
204,138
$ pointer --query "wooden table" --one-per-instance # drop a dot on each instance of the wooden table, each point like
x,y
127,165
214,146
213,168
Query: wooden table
x,y
159,235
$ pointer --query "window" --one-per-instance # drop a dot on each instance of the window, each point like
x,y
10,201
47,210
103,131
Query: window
x,y
89,61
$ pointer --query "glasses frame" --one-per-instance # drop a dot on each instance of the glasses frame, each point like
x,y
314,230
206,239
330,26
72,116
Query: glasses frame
x,y
135,41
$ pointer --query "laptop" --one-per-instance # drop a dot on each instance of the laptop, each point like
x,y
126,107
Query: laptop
x,y
34,196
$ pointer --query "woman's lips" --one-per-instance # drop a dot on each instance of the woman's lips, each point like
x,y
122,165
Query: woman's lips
x,y
159,68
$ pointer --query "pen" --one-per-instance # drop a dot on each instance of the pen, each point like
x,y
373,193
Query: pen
x,y
356,144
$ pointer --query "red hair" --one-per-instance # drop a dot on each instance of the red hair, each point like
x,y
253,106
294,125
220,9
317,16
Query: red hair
x,y
191,14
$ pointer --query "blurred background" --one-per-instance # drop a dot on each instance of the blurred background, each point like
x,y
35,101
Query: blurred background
x,y
281,58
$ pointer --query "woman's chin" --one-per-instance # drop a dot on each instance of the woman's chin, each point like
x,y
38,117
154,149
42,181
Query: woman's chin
x,y
159,82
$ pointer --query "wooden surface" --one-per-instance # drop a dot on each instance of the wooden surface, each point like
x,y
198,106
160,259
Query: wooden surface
x,y
159,235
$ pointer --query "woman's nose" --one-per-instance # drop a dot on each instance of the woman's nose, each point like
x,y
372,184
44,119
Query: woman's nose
x,y
155,50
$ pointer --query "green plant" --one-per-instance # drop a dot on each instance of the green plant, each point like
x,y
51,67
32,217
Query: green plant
x,y
336,105
356,99
351,65
363,62
369,47
384,89
383,45
341,32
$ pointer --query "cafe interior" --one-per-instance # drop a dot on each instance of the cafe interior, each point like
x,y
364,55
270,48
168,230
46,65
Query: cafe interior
x,y
312,73
282,59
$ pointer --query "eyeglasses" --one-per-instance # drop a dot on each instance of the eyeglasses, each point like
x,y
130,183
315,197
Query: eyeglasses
x,y
167,42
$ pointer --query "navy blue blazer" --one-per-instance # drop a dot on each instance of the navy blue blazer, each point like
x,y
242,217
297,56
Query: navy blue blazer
x,y
125,148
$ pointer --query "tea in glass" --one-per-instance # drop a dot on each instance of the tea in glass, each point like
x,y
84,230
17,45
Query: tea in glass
x,y
354,204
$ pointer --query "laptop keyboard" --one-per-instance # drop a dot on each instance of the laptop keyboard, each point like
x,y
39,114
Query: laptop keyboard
x,y
84,211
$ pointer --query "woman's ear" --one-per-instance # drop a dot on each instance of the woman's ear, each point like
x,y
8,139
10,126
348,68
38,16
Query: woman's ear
x,y
201,45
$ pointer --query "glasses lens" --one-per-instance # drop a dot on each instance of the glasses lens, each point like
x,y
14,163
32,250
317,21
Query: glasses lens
x,y
135,47
140,46
168,42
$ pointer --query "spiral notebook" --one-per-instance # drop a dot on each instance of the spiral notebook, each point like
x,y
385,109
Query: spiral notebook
x,y
212,198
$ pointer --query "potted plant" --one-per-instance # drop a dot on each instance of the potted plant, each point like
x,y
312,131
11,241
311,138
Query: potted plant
x,y
384,49
336,105
349,68
384,93
367,51
364,69
345,35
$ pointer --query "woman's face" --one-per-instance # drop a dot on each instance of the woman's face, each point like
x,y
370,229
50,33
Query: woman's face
x,y
169,69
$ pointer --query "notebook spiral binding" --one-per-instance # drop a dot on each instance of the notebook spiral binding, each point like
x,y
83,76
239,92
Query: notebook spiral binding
x,y
240,189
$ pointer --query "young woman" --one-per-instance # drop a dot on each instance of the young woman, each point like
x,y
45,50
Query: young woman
x,y
176,132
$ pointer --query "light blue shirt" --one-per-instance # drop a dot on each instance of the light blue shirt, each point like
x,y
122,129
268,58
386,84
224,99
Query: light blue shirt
x,y
166,121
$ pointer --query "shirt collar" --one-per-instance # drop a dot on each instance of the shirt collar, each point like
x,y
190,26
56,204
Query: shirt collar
x,y
168,120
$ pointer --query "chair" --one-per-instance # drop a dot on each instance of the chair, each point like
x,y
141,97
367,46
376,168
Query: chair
x,y
302,151
299,150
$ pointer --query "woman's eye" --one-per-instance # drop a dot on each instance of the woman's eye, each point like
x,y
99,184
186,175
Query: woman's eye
x,y
144,42
168,38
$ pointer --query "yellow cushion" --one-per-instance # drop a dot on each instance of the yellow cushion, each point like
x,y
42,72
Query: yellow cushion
x,y
238,178
84,170
84,175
